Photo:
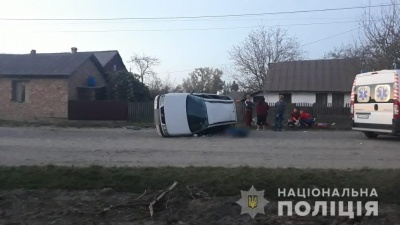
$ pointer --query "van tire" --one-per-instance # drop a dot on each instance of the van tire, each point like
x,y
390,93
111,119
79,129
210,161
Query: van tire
x,y
371,135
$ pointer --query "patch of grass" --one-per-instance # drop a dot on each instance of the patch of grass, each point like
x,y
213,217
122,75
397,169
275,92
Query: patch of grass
x,y
213,180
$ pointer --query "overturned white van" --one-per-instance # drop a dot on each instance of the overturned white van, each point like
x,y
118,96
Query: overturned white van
x,y
375,103
180,114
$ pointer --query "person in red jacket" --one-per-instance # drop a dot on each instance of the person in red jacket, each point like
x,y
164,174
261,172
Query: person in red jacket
x,y
294,118
248,110
305,118
262,112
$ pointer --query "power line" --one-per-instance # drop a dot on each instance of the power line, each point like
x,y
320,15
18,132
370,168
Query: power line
x,y
319,40
199,29
323,39
196,17
191,20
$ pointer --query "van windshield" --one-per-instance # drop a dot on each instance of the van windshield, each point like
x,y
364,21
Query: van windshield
x,y
196,113
374,93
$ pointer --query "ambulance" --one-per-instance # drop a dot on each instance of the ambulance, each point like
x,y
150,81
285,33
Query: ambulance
x,y
375,103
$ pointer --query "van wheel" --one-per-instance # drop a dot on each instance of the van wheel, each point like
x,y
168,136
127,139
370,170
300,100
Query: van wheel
x,y
371,134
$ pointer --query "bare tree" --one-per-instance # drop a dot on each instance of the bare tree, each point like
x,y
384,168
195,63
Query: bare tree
x,y
178,89
261,47
381,46
345,51
144,65
378,46
158,86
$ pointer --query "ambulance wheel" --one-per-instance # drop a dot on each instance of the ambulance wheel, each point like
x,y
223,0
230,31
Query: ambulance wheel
x,y
371,134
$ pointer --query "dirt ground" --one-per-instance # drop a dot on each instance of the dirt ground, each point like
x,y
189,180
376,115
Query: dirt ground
x,y
120,147
106,207
124,147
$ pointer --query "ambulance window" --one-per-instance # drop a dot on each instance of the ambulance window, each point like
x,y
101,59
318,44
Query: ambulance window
x,y
382,93
363,94
374,93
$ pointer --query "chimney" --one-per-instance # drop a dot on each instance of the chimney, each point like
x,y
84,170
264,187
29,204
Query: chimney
x,y
33,52
74,50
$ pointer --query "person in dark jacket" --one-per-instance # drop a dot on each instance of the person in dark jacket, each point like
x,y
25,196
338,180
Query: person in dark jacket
x,y
262,112
280,108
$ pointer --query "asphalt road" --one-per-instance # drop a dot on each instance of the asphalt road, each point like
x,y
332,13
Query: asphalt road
x,y
121,147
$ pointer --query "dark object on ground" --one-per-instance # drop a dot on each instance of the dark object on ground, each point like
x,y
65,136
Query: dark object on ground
x,y
371,135
237,132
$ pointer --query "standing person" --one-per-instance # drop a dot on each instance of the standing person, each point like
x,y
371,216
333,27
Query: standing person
x,y
262,112
280,108
248,110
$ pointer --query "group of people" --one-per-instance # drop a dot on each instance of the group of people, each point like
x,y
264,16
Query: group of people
x,y
300,118
297,118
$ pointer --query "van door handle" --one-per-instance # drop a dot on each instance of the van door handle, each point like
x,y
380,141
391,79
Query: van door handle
x,y
376,107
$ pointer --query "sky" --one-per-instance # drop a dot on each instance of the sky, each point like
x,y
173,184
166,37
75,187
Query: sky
x,y
181,44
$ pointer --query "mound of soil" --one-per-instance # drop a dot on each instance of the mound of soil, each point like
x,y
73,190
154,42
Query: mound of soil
x,y
107,207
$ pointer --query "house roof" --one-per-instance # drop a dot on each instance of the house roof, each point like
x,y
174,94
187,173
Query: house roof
x,y
104,56
326,75
235,95
51,64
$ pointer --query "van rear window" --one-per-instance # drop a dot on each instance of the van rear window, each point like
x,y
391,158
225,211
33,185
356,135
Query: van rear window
x,y
374,93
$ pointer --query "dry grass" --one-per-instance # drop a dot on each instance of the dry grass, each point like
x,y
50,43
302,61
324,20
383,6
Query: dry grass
x,y
215,181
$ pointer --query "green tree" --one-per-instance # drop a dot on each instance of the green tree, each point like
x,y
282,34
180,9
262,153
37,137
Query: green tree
x,y
204,80
124,86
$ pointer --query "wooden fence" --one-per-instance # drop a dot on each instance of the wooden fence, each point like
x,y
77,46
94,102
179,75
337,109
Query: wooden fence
x,y
330,113
97,110
140,111
144,111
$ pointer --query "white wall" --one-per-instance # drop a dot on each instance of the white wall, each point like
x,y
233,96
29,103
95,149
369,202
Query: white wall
x,y
303,98
347,98
271,97
329,98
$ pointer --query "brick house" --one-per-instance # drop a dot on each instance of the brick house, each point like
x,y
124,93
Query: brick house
x,y
38,86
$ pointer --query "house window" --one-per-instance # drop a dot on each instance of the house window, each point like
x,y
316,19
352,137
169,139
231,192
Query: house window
x,y
19,91
338,99
321,99
287,97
